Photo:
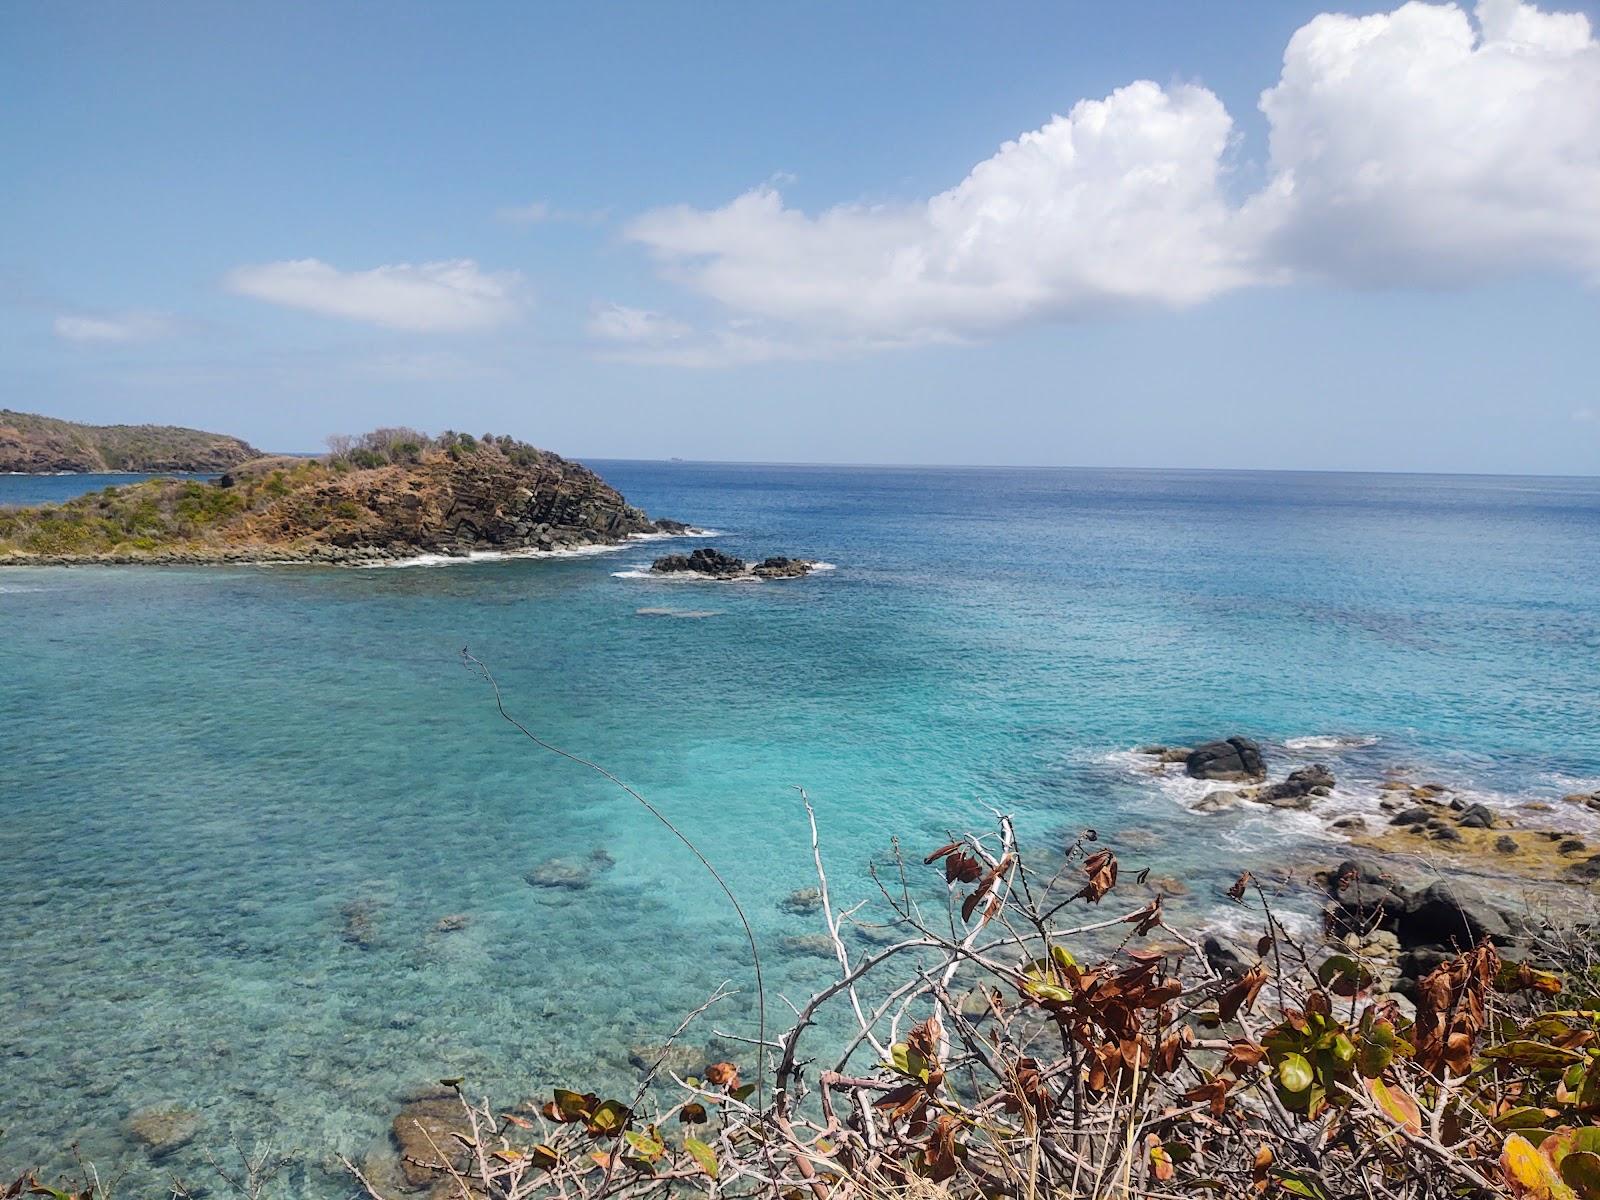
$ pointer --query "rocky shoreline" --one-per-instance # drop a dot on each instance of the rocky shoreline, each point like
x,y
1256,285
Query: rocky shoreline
x,y
1538,841
340,556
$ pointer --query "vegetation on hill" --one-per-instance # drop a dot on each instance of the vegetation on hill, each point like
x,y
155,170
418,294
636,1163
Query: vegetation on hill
x,y
390,493
36,445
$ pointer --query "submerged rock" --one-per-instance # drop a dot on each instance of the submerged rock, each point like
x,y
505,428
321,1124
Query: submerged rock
x,y
802,902
1217,800
422,1132
360,923
818,944
676,1058
1235,759
163,1128
570,874
1166,754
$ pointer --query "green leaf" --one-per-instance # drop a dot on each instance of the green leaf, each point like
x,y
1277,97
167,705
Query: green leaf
x,y
1376,1049
610,1116
647,1146
908,1062
573,1104
743,1091
1302,1183
1520,1118
1581,1170
1525,1053
702,1154
1294,1072
1397,1103
1343,975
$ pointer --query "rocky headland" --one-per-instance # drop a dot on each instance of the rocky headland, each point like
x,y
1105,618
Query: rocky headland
x,y
714,564
34,445
391,495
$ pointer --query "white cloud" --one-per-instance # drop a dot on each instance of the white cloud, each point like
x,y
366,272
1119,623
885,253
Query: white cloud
x,y
439,297
1409,148
619,323
133,326
1117,203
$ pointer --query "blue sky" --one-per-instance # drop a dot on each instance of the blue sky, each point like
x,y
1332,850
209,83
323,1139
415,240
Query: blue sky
x,y
809,233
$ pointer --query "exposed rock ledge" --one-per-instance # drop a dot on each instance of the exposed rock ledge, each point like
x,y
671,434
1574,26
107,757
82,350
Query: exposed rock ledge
x,y
714,564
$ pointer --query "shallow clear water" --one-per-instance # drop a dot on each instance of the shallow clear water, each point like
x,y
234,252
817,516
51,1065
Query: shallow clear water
x,y
211,779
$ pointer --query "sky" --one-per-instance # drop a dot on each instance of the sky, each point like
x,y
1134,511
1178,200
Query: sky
x,y
1262,234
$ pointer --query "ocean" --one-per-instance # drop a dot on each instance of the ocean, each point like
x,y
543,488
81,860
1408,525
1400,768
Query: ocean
x,y
264,840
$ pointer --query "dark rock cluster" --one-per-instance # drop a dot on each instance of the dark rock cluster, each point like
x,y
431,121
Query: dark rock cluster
x,y
1235,759
714,564
1430,925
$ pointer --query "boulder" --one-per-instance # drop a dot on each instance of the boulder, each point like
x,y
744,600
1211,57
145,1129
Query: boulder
x,y
782,568
1225,957
1234,759
1363,898
1411,816
1476,816
1315,780
1438,916
705,561
1588,871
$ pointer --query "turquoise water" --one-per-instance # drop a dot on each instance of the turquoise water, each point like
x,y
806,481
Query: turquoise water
x,y
211,780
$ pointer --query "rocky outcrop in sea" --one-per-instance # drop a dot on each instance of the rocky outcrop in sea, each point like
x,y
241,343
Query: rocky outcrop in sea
x,y
712,563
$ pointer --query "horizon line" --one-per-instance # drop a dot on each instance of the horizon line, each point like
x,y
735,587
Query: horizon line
x,y
945,466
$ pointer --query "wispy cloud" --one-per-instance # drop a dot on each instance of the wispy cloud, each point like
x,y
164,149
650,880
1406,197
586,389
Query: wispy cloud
x,y
134,325
438,297
540,213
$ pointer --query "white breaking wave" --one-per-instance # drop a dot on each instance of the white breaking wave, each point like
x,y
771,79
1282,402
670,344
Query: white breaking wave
x,y
1332,741
643,571
481,556
1362,794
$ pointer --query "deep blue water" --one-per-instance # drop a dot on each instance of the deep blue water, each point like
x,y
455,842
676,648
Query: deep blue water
x,y
203,771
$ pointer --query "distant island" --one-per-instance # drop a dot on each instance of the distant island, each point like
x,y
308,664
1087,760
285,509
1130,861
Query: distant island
x,y
389,494
34,445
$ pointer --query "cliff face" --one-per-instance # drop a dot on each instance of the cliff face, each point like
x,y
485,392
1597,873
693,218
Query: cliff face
x,y
451,501
35,445
482,501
